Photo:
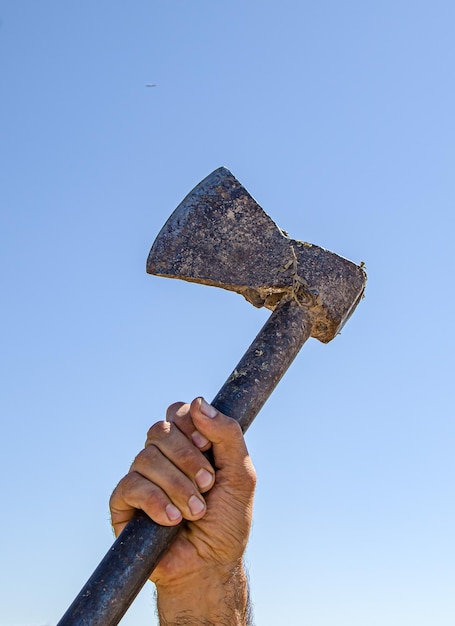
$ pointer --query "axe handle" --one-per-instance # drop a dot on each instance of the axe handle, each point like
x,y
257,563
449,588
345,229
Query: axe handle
x,y
128,564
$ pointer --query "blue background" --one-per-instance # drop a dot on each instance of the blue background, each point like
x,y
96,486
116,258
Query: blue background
x,y
339,118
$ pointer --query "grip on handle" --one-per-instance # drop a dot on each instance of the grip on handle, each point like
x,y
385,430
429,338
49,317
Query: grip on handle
x,y
124,570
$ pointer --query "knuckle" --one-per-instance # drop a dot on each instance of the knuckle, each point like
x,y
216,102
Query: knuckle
x,y
233,428
174,409
154,499
146,458
127,486
250,475
129,483
114,497
186,456
157,432
245,478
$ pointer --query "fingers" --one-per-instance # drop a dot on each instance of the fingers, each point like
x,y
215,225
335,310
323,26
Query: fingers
x,y
169,452
202,422
165,480
208,427
224,433
179,414
136,492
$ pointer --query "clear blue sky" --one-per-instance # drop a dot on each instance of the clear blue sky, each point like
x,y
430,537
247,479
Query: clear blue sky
x,y
339,118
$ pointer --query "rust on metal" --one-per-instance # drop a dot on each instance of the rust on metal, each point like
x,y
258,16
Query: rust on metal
x,y
220,236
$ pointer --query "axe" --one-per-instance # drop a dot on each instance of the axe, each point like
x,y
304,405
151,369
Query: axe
x,y
220,236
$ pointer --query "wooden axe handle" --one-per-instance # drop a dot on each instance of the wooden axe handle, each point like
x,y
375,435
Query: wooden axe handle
x,y
126,567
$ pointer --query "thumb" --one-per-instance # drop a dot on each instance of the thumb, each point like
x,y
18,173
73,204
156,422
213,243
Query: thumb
x,y
224,433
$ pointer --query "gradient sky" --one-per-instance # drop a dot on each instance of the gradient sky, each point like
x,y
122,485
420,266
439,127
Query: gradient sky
x,y
338,117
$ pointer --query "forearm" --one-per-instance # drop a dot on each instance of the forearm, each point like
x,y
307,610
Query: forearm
x,y
212,598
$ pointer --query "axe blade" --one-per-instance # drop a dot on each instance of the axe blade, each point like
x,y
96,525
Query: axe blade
x,y
220,236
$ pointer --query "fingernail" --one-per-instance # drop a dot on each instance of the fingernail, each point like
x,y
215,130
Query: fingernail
x,y
208,409
196,505
199,440
203,478
173,513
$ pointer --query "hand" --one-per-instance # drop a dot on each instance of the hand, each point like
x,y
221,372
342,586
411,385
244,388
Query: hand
x,y
171,481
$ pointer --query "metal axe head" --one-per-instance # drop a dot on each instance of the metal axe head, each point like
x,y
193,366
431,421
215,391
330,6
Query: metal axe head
x,y
220,236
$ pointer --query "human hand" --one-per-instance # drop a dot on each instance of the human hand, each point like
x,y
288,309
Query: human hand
x,y
171,480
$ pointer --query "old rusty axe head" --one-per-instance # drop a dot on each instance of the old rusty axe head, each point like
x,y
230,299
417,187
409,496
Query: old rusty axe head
x,y
220,236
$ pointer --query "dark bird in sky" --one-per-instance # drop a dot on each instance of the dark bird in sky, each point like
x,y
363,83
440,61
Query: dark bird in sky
x,y
150,85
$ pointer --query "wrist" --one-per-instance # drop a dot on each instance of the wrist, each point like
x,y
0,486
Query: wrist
x,y
215,596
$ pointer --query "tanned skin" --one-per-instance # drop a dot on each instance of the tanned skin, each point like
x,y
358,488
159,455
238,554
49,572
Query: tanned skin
x,y
201,580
